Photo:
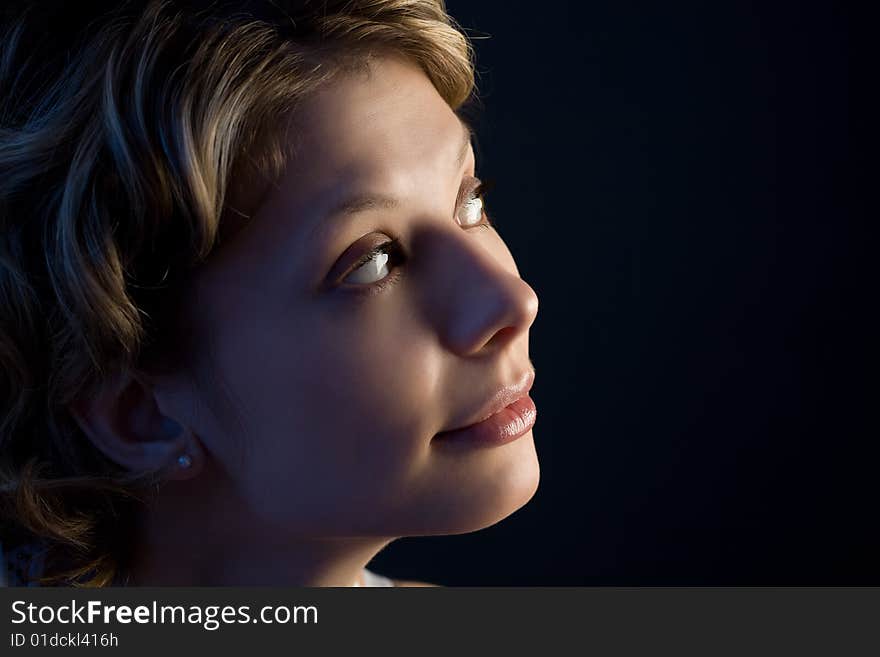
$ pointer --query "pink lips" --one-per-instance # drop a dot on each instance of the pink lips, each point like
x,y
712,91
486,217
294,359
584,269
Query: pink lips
x,y
513,420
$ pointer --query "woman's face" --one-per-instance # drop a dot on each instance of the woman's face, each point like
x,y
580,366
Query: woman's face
x,y
321,382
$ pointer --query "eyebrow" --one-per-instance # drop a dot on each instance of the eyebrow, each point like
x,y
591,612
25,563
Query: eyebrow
x,y
375,201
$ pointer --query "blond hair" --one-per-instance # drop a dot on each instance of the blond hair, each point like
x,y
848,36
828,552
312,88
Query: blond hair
x,y
117,148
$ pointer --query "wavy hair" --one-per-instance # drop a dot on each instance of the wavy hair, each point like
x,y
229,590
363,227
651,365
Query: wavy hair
x,y
120,135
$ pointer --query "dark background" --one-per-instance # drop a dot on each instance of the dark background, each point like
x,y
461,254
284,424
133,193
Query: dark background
x,y
684,186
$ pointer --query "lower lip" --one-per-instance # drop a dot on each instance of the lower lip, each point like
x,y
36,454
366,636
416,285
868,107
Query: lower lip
x,y
505,426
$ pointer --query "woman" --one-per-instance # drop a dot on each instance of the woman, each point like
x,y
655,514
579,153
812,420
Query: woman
x,y
250,295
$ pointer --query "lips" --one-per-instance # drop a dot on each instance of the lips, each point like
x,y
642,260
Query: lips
x,y
500,400
505,426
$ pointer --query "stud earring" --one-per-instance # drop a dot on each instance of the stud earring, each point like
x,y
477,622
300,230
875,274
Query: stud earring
x,y
184,461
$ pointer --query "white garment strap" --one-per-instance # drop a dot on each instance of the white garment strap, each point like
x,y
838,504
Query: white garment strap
x,y
374,579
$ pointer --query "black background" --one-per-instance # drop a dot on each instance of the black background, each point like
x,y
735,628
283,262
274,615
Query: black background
x,y
684,186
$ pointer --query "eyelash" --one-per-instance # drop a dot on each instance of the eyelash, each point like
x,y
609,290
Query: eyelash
x,y
397,256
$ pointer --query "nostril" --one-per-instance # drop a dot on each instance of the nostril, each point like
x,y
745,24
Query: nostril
x,y
505,335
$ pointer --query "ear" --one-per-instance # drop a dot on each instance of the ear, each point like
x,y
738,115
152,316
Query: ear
x,y
123,420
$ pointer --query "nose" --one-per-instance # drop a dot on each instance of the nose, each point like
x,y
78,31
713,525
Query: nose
x,y
481,304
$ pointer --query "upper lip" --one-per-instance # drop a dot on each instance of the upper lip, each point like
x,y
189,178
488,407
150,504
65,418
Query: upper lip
x,y
500,399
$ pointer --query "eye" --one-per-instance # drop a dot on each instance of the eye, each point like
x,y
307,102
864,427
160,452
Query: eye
x,y
379,267
472,207
376,265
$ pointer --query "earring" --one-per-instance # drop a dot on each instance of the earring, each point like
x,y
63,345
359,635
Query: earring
x,y
184,461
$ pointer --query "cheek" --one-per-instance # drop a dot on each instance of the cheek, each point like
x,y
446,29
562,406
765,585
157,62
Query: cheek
x,y
329,399
377,376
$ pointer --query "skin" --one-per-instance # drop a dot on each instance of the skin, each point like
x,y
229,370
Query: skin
x,y
309,411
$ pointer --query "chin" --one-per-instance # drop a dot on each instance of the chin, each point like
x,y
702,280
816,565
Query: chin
x,y
508,482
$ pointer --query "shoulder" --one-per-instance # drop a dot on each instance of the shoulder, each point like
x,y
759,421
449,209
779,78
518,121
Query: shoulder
x,y
409,582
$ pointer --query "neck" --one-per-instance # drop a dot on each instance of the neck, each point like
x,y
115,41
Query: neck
x,y
184,539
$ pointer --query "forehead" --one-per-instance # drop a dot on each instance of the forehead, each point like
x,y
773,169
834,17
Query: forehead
x,y
381,127
382,122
